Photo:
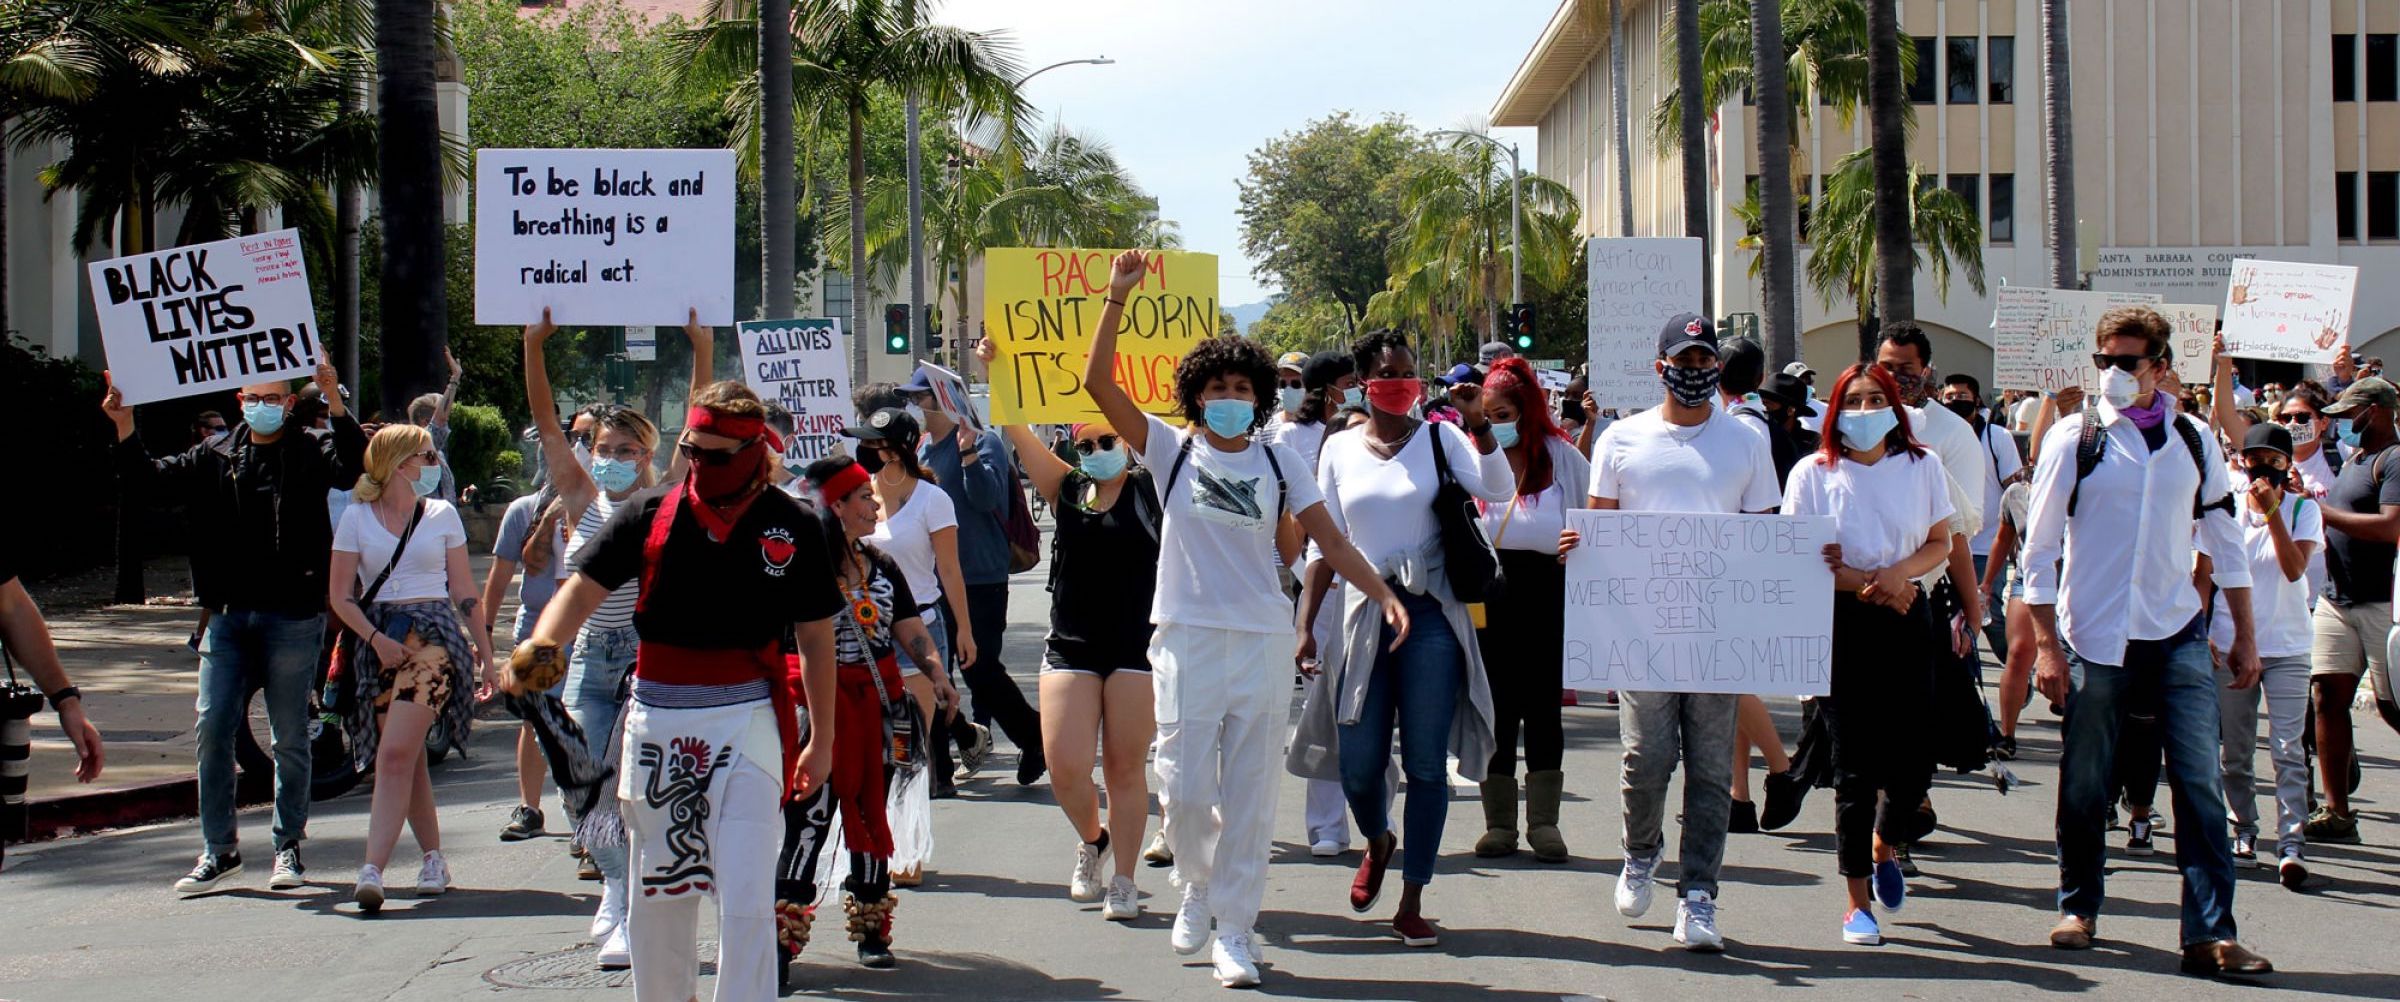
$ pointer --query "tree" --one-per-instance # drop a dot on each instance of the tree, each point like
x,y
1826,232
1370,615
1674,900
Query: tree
x,y
779,208
1887,111
1319,207
1448,256
1693,145
1847,231
1774,144
410,189
2058,144
1295,324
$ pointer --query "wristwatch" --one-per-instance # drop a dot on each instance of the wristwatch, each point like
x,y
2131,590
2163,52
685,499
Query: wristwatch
x,y
63,694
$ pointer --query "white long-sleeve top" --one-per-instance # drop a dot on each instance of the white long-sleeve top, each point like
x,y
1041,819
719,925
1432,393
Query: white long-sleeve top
x,y
1384,505
2128,550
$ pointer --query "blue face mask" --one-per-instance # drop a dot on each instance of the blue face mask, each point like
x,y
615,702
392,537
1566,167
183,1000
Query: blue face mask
x,y
1105,464
1505,432
263,418
1229,417
1865,430
429,479
1354,397
2348,431
1289,397
613,476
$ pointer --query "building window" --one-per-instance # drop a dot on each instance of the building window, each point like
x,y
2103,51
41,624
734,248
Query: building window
x,y
2003,74
1807,203
1920,89
1969,188
2383,67
2383,205
2003,227
2345,205
1961,70
2345,67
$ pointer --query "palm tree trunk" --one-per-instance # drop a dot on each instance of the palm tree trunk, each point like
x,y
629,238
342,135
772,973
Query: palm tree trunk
x,y
916,232
1695,141
2058,144
344,346
858,244
1778,249
1887,109
778,213
1624,139
410,190
131,589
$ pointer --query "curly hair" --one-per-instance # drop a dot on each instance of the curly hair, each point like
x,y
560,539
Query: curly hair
x,y
1227,356
1371,347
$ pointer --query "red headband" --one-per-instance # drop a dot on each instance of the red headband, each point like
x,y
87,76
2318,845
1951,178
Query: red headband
x,y
838,486
731,426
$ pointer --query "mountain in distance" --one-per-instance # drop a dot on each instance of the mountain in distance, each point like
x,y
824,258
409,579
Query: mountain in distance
x,y
1248,313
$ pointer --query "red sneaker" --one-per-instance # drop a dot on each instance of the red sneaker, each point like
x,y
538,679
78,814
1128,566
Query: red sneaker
x,y
1368,885
1415,931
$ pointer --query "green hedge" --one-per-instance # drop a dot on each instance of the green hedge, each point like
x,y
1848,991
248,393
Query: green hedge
x,y
477,435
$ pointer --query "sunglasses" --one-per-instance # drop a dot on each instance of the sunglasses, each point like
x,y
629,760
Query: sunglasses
x,y
711,457
2129,363
2298,417
1105,443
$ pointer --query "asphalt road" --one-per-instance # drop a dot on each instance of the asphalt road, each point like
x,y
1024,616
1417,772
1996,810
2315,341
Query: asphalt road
x,y
93,918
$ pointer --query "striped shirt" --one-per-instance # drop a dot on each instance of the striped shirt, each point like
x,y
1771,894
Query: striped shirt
x,y
615,611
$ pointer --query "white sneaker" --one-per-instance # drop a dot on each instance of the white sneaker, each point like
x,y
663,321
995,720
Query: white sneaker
x,y
611,913
434,877
616,952
1235,960
1124,901
1696,924
1192,921
1084,884
1633,885
369,890
1327,847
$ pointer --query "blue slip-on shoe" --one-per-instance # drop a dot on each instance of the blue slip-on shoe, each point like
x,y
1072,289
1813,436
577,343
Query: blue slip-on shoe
x,y
1891,886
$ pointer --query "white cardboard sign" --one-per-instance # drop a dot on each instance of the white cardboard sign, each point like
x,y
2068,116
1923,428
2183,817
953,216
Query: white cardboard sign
x,y
213,316
804,366
2042,338
604,237
1669,602
1636,285
641,343
2195,340
2288,311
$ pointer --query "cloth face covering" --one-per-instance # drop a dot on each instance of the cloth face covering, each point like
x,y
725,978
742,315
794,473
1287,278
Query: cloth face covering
x,y
1864,430
1394,396
1228,417
1690,386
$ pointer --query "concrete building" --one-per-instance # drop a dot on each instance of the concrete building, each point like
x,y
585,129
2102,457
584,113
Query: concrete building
x,y
2205,130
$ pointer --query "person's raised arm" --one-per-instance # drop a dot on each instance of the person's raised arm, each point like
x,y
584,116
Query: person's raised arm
x,y
2229,419
1044,468
1100,371
704,372
28,637
574,483
441,411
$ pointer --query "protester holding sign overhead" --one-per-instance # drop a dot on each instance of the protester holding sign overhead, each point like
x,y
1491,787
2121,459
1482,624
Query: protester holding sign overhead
x,y
1890,502
1219,668
265,559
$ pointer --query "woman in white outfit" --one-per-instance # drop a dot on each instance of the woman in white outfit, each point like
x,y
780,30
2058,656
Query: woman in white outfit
x,y
1220,655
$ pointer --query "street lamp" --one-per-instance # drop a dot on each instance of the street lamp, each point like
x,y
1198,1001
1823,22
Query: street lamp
x,y
1516,250
1094,61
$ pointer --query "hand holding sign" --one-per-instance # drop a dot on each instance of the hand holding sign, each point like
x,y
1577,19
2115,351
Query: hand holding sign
x,y
1042,309
112,403
329,383
540,330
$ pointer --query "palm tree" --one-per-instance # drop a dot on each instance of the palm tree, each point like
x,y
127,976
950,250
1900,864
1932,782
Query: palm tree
x,y
1449,255
1774,144
2058,144
1887,111
779,211
843,53
1847,234
1694,143
412,292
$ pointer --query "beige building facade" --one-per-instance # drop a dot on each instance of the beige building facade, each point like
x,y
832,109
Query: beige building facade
x,y
2205,130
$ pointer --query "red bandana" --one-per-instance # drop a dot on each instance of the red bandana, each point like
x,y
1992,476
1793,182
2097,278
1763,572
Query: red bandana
x,y
839,485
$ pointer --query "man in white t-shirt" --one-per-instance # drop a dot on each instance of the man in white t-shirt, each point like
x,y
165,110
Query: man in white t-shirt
x,y
1683,456
1963,396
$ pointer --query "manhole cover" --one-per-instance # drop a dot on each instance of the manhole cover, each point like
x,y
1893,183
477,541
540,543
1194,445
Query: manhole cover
x,y
574,968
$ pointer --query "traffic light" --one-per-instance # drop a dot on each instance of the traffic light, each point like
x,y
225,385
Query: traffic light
x,y
1520,323
895,329
933,326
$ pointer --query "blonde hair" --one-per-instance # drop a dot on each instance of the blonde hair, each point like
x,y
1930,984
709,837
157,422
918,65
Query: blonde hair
x,y
730,398
385,452
637,424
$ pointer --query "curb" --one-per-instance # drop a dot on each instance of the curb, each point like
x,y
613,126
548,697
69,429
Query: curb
x,y
119,807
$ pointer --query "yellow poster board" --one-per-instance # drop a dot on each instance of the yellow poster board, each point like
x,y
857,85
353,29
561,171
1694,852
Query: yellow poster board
x,y
1041,306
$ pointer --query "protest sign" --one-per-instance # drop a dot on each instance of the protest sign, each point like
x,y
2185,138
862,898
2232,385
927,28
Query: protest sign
x,y
950,394
1553,380
1041,307
1637,283
1666,602
2195,340
641,343
603,237
2042,338
2288,311
803,365
213,316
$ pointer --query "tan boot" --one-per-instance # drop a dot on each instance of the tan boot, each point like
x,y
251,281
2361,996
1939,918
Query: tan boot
x,y
1499,818
1542,790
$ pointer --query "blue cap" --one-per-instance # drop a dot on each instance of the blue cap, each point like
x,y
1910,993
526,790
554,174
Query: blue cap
x,y
917,383
1461,373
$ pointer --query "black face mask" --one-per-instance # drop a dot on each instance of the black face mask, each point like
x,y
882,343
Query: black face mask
x,y
1963,408
2270,474
871,460
1571,409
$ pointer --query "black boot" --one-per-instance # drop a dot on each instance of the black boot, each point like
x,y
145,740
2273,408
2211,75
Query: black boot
x,y
1785,791
871,929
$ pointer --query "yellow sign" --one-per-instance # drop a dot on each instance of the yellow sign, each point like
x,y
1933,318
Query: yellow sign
x,y
1041,306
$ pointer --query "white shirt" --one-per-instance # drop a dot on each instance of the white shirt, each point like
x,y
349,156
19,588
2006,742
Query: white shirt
x,y
2316,476
1881,513
1644,463
2278,606
1953,439
2128,550
423,572
616,611
1305,439
1385,506
1538,518
906,536
1217,565
2027,410
2001,449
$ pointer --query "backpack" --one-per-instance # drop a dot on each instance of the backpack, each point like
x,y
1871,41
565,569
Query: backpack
x,y
2094,442
1024,537
1184,452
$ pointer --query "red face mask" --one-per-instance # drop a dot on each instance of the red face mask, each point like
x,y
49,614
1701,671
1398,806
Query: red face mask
x,y
1394,396
718,484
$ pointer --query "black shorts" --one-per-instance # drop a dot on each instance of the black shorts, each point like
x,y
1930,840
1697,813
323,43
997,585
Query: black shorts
x,y
1051,662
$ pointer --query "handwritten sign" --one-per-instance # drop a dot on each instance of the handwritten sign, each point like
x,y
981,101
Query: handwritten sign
x,y
2042,338
804,366
1041,307
2288,311
1637,283
2195,339
213,316
603,237
950,394
1666,602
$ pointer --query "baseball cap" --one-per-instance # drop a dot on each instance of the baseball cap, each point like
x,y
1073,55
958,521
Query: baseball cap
x,y
1799,370
2268,435
889,424
1684,331
918,383
1462,373
2371,391
1293,360
1785,388
1493,351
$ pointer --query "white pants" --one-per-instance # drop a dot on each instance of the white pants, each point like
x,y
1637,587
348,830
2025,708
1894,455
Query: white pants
x,y
1222,698
746,832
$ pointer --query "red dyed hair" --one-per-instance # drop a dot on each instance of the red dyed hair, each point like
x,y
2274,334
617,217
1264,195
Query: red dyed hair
x,y
1902,439
1513,378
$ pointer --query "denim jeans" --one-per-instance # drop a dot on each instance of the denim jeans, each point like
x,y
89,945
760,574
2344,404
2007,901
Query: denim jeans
x,y
1417,687
242,647
595,674
1662,730
2284,685
2185,694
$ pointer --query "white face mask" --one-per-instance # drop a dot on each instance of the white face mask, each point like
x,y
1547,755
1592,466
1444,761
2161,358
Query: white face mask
x,y
2119,387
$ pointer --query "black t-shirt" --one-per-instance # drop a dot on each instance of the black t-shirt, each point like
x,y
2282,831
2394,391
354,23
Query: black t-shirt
x,y
2359,572
866,643
1103,572
741,594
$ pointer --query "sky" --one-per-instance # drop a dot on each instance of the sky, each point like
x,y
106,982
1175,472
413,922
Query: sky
x,y
1198,84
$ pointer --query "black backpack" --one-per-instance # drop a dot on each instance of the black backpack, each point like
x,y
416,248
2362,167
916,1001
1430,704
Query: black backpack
x,y
2094,442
